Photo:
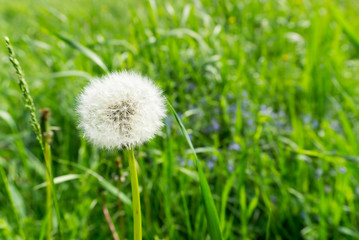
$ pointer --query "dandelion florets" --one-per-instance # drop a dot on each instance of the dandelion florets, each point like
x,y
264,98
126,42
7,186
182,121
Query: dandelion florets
x,y
121,110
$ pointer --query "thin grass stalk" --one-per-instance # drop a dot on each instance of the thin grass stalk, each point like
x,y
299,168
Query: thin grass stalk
x,y
136,204
47,138
29,104
108,218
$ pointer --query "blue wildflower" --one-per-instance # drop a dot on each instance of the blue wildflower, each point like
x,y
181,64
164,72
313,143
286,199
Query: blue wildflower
x,y
191,86
215,125
181,160
210,165
190,136
234,147
318,172
230,168
342,170
190,163
232,108
273,199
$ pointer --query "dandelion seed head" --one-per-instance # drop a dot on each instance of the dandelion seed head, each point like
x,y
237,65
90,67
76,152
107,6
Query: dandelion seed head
x,y
121,110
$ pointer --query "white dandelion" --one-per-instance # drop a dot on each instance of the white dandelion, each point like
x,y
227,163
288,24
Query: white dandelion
x,y
121,110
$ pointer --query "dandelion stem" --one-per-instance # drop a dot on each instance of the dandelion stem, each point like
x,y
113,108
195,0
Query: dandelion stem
x,y
137,228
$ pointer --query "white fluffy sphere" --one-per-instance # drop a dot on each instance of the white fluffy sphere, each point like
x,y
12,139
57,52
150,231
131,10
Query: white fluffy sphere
x,y
121,109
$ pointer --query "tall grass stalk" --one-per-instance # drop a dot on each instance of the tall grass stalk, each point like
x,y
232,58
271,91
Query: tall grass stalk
x,y
47,138
29,104
136,204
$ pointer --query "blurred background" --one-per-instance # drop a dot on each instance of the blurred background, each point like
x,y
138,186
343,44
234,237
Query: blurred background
x,y
268,91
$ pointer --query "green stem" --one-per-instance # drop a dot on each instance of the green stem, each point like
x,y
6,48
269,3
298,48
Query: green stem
x,y
48,192
137,228
46,136
40,136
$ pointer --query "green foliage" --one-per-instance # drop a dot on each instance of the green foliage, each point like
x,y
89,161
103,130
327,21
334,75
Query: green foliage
x,y
266,90
211,212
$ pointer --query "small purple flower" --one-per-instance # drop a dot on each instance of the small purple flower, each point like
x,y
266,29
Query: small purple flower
x,y
263,108
244,94
230,96
281,113
335,126
327,189
210,165
266,111
357,190
215,125
203,101
250,122
214,158
181,160
315,124
190,136
318,172
190,163
273,199
230,168
245,104
232,108
217,111
307,118
168,121
279,124
234,147
342,170
207,129
191,86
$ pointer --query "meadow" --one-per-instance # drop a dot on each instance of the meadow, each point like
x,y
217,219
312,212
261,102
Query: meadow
x,y
267,91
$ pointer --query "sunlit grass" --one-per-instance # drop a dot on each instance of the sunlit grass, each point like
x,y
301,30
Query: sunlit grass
x,y
266,90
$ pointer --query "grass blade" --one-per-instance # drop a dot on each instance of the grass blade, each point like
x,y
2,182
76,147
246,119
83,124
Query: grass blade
x,y
102,181
67,74
11,200
225,194
84,50
58,180
211,212
349,31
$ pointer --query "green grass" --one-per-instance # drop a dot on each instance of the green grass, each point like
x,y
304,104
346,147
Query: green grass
x,y
267,91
